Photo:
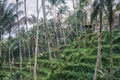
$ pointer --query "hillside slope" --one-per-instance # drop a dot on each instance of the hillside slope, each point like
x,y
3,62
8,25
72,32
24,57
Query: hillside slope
x,y
76,61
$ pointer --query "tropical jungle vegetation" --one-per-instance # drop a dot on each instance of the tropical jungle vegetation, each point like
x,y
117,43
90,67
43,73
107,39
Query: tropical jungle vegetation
x,y
63,40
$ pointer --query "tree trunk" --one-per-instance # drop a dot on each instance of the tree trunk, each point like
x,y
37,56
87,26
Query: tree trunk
x,y
36,45
28,40
1,47
56,44
25,55
98,56
98,62
10,53
64,37
62,30
47,29
55,28
75,17
20,53
111,24
119,20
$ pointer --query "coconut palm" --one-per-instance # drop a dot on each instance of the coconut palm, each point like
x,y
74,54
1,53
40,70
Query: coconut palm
x,y
36,43
28,46
20,52
47,29
56,6
107,6
110,8
98,7
7,21
99,41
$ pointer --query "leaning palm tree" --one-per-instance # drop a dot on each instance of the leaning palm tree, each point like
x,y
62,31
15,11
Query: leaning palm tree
x,y
107,7
98,9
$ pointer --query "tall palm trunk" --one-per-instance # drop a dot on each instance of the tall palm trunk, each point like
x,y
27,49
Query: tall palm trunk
x,y
47,29
1,45
10,53
28,40
60,26
36,45
83,24
111,24
64,36
24,52
56,44
98,62
119,19
27,29
20,52
55,28
62,30
2,57
75,17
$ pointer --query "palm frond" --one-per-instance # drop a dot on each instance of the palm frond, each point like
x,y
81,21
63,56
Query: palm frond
x,y
95,13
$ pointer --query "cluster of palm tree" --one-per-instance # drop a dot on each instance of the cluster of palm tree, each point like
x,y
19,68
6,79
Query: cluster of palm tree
x,y
47,34
101,9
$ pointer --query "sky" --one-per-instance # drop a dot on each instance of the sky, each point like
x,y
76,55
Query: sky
x,y
31,6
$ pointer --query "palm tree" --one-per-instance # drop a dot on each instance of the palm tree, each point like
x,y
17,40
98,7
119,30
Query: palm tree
x,y
62,10
36,44
27,34
47,29
53,4
75,17
27,27
99,41
19,43
7,20
56,5
110,7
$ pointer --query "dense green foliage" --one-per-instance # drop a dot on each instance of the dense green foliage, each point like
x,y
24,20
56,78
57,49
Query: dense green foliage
x,y
73,61
63,44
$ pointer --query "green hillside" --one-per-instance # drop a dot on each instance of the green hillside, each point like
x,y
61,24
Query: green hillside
x,y
73,61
